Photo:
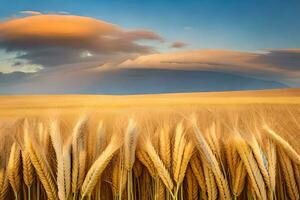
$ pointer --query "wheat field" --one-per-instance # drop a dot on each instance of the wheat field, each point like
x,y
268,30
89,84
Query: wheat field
x,y
205,147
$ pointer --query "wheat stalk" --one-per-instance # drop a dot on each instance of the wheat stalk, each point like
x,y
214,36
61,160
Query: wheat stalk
x,y
137,169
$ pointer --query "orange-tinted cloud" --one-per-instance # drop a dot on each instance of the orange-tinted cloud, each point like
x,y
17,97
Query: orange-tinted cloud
x,y
178,44
59,39
196,59
277,63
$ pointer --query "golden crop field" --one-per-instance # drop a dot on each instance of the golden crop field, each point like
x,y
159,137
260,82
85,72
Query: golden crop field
x,y
226,145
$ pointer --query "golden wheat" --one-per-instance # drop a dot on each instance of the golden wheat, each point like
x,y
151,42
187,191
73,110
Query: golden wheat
x,y
101,159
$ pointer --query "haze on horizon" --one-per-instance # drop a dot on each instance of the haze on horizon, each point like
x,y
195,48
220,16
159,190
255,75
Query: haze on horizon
x,y
154,46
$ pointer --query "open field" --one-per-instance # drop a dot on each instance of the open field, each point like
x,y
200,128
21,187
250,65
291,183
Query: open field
x,y
226,145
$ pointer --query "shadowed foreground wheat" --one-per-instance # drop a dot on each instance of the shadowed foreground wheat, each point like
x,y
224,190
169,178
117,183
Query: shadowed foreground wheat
x,y
250,154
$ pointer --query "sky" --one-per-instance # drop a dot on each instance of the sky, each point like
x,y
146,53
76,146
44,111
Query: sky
x,y
258,38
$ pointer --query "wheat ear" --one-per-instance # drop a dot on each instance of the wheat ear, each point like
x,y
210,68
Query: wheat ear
x,y
212,191
239,179
28,170
177,160
130,143
63,161
67,168
260,159
78,141
4,185
212,162
272,161
94,173
286,147
297,174
161,190
288,174
165,146
82,167
189,181
231,157
145,159
2,178
179,143
118,177
159,166
188,152
13,169
43,171
198,172
213,140
253,171
192,186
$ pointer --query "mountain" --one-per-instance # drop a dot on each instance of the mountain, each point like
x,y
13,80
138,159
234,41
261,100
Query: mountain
x,y
141,81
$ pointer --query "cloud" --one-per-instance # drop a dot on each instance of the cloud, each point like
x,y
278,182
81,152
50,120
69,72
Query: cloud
x,y
30,12
52,40
276,64
178,44
281,58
